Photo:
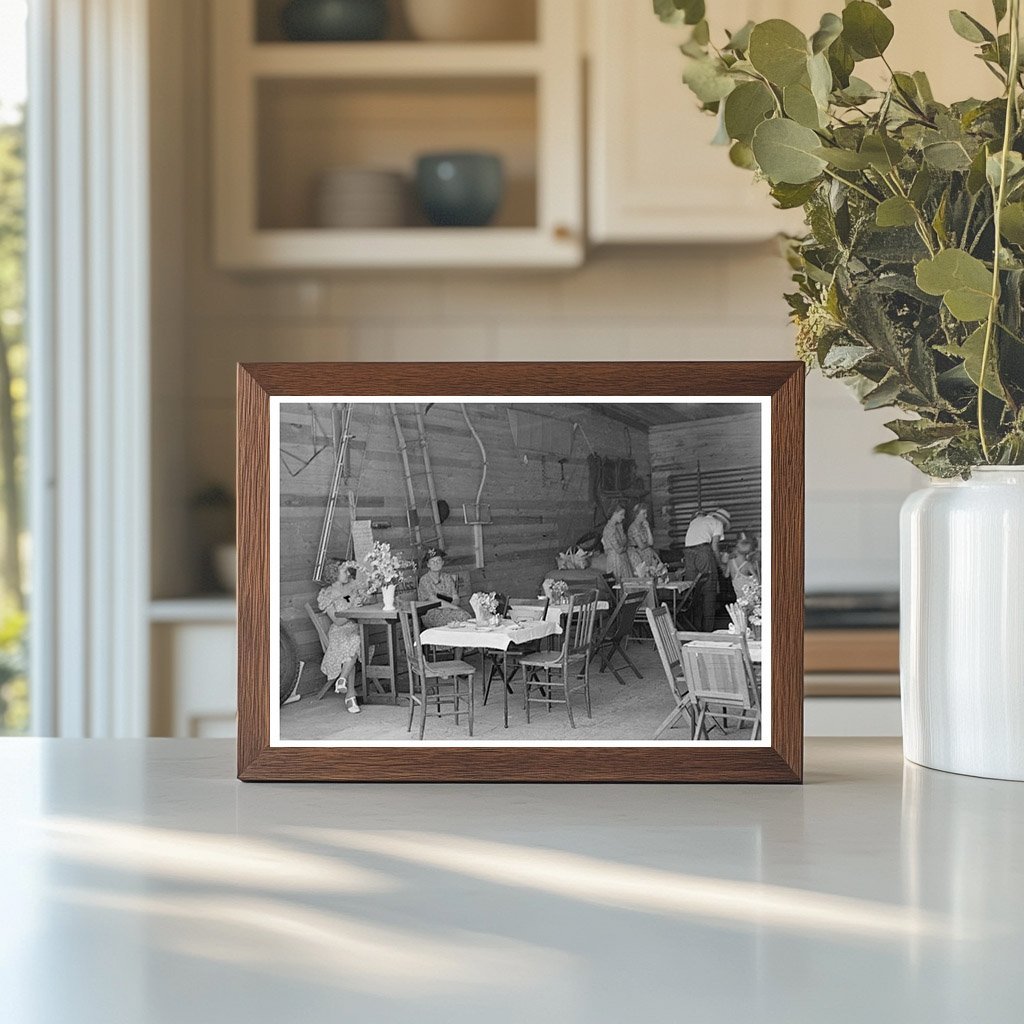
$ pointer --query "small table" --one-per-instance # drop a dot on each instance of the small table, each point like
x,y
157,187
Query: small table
x,y
490,638
375,615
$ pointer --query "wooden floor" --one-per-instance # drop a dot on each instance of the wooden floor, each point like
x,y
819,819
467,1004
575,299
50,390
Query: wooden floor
x,y
633,711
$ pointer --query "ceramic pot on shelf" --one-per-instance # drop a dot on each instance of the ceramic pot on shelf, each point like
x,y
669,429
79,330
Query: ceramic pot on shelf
x,y
465,21
962,624
333,21
460,189
388,593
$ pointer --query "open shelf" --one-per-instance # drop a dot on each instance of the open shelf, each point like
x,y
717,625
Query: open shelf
x,y
393,60
288,113
519,17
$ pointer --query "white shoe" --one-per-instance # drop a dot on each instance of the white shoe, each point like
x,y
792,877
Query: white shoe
x,y
341,685
350,704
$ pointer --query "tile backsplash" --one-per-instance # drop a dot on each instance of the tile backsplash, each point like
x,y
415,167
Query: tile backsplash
x,y
721,302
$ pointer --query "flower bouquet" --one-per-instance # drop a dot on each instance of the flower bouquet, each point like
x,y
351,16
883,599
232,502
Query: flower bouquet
x,y
384,571
486,608
556,591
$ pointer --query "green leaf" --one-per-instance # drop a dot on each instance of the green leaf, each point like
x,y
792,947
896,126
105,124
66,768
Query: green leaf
x,y
1014,169
785,152
924,87
829,30
739,41
885,394
1012,224
701,33
963,281
841,60
896,212
800,105
866,29
969,28
946,156
976,173
789,197
883,153
971,352
844,159
676,12
708,80
778,50
921,185
895,447
999,7
742,155
923,431
745,108
820,76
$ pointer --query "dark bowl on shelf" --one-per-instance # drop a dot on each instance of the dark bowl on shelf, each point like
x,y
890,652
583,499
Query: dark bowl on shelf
x,y
461,190
333,21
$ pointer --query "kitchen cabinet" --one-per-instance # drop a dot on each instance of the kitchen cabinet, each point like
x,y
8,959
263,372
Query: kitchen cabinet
x,y
286,113
653,175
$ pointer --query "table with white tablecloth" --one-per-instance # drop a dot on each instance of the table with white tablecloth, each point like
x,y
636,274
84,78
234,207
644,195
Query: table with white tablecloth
x,y
490,638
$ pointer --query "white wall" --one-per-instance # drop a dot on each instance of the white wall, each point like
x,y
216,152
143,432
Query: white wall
x,y
701,303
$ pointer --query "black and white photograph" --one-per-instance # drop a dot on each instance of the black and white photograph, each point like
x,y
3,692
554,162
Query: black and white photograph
x,y
459,571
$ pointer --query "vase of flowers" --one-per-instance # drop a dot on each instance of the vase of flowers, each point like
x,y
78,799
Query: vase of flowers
x,y
908,288
485,607
749,599
384,571
556,591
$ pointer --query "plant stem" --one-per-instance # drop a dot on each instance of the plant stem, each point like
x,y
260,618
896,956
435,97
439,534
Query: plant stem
x,y
855,187
993,309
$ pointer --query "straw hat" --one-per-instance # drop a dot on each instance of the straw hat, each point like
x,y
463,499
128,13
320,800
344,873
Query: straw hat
x,y
722,514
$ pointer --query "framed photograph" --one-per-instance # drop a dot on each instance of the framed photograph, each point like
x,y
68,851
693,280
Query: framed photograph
x,y
548,572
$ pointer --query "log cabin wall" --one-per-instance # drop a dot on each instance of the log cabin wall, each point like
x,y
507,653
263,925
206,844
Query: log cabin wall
x,y
728,449
540,501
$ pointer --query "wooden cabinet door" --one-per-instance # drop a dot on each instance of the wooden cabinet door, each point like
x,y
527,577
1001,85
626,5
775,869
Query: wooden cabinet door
x,y
653,174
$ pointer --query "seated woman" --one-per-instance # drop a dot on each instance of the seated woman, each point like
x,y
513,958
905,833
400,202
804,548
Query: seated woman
x,y
343,646
436,585
742,566
644,560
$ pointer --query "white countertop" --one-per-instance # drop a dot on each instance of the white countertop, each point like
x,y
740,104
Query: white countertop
x,y
142,884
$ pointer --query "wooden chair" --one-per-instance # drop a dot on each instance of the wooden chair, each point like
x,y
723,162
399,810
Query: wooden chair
x,y
684,607
665,639
322,624
615,634
649,591
506,663
447,683
574,654
723,677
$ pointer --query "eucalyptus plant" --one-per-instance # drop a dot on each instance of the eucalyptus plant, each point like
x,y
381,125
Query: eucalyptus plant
x,y
909,280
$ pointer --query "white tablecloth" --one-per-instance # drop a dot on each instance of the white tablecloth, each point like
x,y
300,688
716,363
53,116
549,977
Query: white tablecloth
x,y
494,638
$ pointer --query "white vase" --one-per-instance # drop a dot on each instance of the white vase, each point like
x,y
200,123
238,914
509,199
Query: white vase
x,y
962,624
388,592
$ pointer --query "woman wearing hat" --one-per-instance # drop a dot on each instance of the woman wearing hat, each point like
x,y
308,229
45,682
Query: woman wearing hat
x,y
436,585
703,536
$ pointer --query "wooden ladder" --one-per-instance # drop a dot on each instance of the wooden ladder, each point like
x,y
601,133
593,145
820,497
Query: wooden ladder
x,y
332,497
417,540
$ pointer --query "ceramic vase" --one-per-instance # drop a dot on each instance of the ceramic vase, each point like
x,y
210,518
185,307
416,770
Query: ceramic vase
x,y
962,624
388,592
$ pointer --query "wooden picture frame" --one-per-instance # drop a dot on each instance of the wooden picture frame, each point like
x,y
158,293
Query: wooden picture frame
x,y
779,386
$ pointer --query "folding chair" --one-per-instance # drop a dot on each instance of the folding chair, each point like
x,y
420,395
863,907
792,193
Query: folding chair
x,y
576,642
648,590
723,676
616,632
684,607
665,639
444,682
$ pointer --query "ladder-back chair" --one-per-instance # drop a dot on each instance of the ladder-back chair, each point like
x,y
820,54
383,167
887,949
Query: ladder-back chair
x,y
568,665
445,683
